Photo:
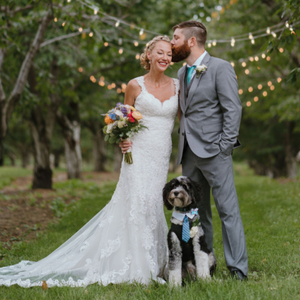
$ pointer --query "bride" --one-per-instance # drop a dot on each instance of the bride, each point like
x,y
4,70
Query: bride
x,y
126,240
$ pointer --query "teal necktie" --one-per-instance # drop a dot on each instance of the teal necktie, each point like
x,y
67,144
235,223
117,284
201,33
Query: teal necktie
x,y
189,74
186,229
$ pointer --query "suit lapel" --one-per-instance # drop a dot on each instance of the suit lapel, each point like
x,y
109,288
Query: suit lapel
x,y
183,87
196,81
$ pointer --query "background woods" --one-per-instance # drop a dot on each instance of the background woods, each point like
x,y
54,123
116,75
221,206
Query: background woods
x,y
64,63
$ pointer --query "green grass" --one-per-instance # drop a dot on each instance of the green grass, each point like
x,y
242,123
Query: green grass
x,y
271,216
8,174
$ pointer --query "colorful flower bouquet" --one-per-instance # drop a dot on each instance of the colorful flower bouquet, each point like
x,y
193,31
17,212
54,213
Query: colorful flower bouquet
x,y
123,121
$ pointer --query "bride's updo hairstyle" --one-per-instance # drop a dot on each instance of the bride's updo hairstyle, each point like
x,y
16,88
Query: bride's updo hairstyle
x,y
149,47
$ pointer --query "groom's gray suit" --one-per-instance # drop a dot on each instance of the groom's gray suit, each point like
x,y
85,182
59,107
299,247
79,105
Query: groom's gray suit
x,y
209,126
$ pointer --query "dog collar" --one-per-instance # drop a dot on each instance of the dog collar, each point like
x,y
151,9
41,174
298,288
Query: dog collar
x,y
180,215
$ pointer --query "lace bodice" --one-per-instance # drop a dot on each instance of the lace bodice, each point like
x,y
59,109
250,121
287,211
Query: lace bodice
x,y
126,240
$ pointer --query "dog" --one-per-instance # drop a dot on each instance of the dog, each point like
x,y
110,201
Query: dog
x,y
188,256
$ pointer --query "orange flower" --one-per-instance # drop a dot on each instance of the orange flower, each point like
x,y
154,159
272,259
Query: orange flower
x,y
108,120
137,115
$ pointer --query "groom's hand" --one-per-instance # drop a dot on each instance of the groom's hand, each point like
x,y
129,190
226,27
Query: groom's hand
x,y
125,146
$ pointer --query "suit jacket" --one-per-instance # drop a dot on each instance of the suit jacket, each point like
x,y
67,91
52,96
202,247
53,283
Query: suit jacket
x,y
210,109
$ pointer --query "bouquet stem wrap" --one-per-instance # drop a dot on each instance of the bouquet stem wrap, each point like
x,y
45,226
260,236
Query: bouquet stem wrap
x,y
128,155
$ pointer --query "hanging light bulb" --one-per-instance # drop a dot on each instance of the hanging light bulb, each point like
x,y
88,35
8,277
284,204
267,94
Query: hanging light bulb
x,y
95,11
263,55
117,23
120,50
250,36
120,41
244,64
253,41
274,34
209,45
136,43
287,25
214,43
91,34
232,42
141,31
256,58
255,99
137,56
268,30
80,29
248,103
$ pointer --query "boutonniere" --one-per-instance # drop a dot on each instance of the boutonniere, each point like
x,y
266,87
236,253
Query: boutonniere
x,y
200,69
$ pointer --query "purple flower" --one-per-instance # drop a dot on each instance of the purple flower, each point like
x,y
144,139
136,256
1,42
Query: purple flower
x,y
124,111
118,104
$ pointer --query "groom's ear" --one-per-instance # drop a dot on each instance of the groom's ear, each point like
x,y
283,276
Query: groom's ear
x,y
192,41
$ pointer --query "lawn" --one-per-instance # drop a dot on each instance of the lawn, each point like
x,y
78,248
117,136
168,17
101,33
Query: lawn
x,y
270,211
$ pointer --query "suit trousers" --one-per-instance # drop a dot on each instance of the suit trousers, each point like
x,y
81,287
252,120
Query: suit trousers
x,y
217,173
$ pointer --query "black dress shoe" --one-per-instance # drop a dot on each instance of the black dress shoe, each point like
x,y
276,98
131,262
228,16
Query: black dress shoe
x,y
238,275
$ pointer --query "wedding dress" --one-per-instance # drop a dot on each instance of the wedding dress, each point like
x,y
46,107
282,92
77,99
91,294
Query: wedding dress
x,y
126,240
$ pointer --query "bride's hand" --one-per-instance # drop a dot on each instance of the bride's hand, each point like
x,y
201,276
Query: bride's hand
x,y
125,145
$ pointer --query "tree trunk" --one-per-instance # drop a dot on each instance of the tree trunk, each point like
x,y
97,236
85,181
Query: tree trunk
x,y
71,128
25,157
42,174
12,158
1,153
290,153
118,156
99,151
73,150
56,159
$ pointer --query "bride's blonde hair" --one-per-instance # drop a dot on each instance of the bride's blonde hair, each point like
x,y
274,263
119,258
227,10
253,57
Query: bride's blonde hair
x,y
149,47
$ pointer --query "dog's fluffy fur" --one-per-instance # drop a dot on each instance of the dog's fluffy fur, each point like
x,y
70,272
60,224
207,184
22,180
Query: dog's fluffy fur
x,y
186,259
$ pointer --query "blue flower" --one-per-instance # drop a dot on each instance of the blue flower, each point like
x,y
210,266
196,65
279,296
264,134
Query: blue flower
x,y
112,116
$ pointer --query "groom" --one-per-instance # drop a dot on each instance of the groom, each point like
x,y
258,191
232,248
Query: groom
x,y
209,125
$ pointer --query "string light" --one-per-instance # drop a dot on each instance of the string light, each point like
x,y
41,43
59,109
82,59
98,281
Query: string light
x,y
80,69
265,94
248,103
269,83
250,36
281,50
251,58
263,55
55,19
253,41
135,43
274,34
268,30
255,99
250,89
106,44
117,23
214,43
268,58
287,25
120,50
232,63
209,45
137,56
141,32
272,87
259,86
279,79
68,1
63,24
240,91
232,42
247,71
244,64
256,58
91,34
95,11
80,29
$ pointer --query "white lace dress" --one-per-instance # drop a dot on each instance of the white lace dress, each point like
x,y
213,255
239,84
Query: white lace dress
x,y
126,240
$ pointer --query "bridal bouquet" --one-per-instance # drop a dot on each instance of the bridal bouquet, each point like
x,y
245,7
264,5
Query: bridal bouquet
x,y
123,121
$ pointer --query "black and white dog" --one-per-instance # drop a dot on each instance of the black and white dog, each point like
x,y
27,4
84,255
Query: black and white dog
x,y
188,255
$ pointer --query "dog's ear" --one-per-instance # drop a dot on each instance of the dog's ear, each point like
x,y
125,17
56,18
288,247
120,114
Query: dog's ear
x,y
197,191
166,192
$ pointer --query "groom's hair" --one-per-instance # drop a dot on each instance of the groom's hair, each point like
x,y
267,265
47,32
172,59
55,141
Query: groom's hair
x,y
193,28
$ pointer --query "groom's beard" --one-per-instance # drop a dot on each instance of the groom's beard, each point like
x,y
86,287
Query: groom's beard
x,y
181,52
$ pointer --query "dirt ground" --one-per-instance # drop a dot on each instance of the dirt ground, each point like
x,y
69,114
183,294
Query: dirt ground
x,y
25,213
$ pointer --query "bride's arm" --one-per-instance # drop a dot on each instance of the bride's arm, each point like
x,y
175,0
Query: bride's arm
x,y
132,91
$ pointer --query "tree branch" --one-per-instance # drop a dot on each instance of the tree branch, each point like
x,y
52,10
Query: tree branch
x,y
22,77
2,94
15,11
62,37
